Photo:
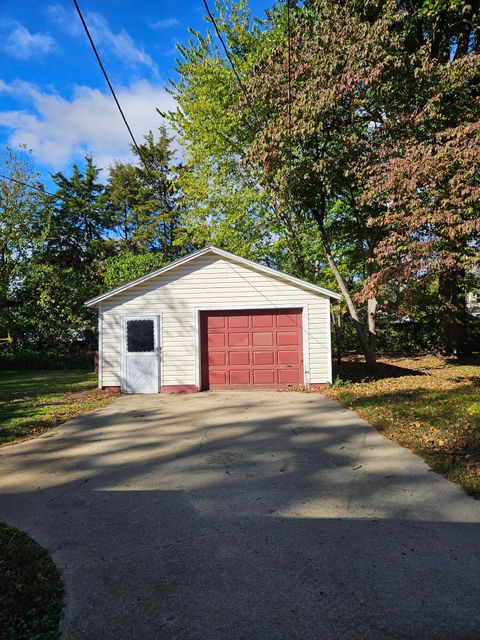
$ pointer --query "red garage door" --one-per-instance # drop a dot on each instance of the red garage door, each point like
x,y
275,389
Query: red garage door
x,y
251,348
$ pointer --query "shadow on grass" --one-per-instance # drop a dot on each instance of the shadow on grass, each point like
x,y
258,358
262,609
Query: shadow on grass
x,y
353,368
356,371
18,384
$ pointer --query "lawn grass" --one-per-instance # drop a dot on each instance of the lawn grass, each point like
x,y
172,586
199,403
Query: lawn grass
x,y
31,589
429,405
33,401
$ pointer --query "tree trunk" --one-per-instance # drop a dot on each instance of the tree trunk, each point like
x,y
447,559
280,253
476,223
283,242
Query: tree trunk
x,y
451,319
369,354
437,36
469,16
336,319
372,326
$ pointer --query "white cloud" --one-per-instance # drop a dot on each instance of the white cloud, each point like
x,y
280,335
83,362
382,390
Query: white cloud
x,y
165,24
120,44
23,45
61,130
68,21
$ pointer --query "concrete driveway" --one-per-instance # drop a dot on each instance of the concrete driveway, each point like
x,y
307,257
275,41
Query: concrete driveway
x,y
245,516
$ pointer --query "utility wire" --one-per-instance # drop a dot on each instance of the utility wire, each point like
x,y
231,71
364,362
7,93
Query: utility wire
x,y
25,184
225,48
87,31
32,186
110,85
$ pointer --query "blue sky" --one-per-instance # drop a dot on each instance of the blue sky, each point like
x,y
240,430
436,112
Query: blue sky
x,y
53,97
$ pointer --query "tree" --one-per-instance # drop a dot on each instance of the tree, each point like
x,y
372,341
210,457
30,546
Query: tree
x,y
64,269
123,193
126,266
223,202
20,225
49,314
315,88
427,175
78,219
145,198
336,111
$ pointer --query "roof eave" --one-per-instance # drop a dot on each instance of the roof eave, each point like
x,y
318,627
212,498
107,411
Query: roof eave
x,y
93,302
132,283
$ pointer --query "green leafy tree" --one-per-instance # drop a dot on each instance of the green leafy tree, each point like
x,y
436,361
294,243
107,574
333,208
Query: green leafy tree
x,y
20,225
297,141
50,314
145,198
126,266
78,218
224,202
123,194
64,269
360,119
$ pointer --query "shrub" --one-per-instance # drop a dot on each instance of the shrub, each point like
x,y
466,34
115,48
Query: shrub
x,y
14,359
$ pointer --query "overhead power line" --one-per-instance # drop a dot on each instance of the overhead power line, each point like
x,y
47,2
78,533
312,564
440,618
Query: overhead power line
x,y
107,79
25,184
225,48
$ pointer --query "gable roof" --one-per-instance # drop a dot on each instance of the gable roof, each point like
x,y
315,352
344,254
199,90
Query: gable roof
x,y
223,254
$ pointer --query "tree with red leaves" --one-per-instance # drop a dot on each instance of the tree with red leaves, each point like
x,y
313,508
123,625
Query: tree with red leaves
x,y
354,123
379,103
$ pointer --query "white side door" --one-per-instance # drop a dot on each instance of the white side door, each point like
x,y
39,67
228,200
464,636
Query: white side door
x,y
141,354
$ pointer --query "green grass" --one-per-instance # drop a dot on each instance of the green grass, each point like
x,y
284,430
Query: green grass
x,y
33,401
31,589
429,405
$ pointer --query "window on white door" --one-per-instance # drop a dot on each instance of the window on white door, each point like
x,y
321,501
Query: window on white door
x,y
141,355
140,336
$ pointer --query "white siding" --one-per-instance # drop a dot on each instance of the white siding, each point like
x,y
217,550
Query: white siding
x,y
208,282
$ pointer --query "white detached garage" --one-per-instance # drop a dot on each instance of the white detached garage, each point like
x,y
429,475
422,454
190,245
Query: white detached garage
x,y
213,320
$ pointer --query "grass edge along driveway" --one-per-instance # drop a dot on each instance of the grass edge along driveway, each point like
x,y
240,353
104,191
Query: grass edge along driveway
x,y
33,401
427,404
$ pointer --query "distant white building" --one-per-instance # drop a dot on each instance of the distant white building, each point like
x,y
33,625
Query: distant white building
x,y
473,304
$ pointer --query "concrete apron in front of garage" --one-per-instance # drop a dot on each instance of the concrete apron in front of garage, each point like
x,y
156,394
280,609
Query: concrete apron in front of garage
x,y
245,516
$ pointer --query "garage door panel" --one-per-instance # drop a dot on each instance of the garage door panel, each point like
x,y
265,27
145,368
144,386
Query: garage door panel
x,y
217,358
287,338
217,377
287,320
240,376
252,348
288,376
263,357
262,339
288,357
216,339
216,322
263,376
239,357
238,339
262,320
235,322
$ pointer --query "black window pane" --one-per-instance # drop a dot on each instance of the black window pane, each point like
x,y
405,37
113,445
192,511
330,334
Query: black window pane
x,y
140,335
